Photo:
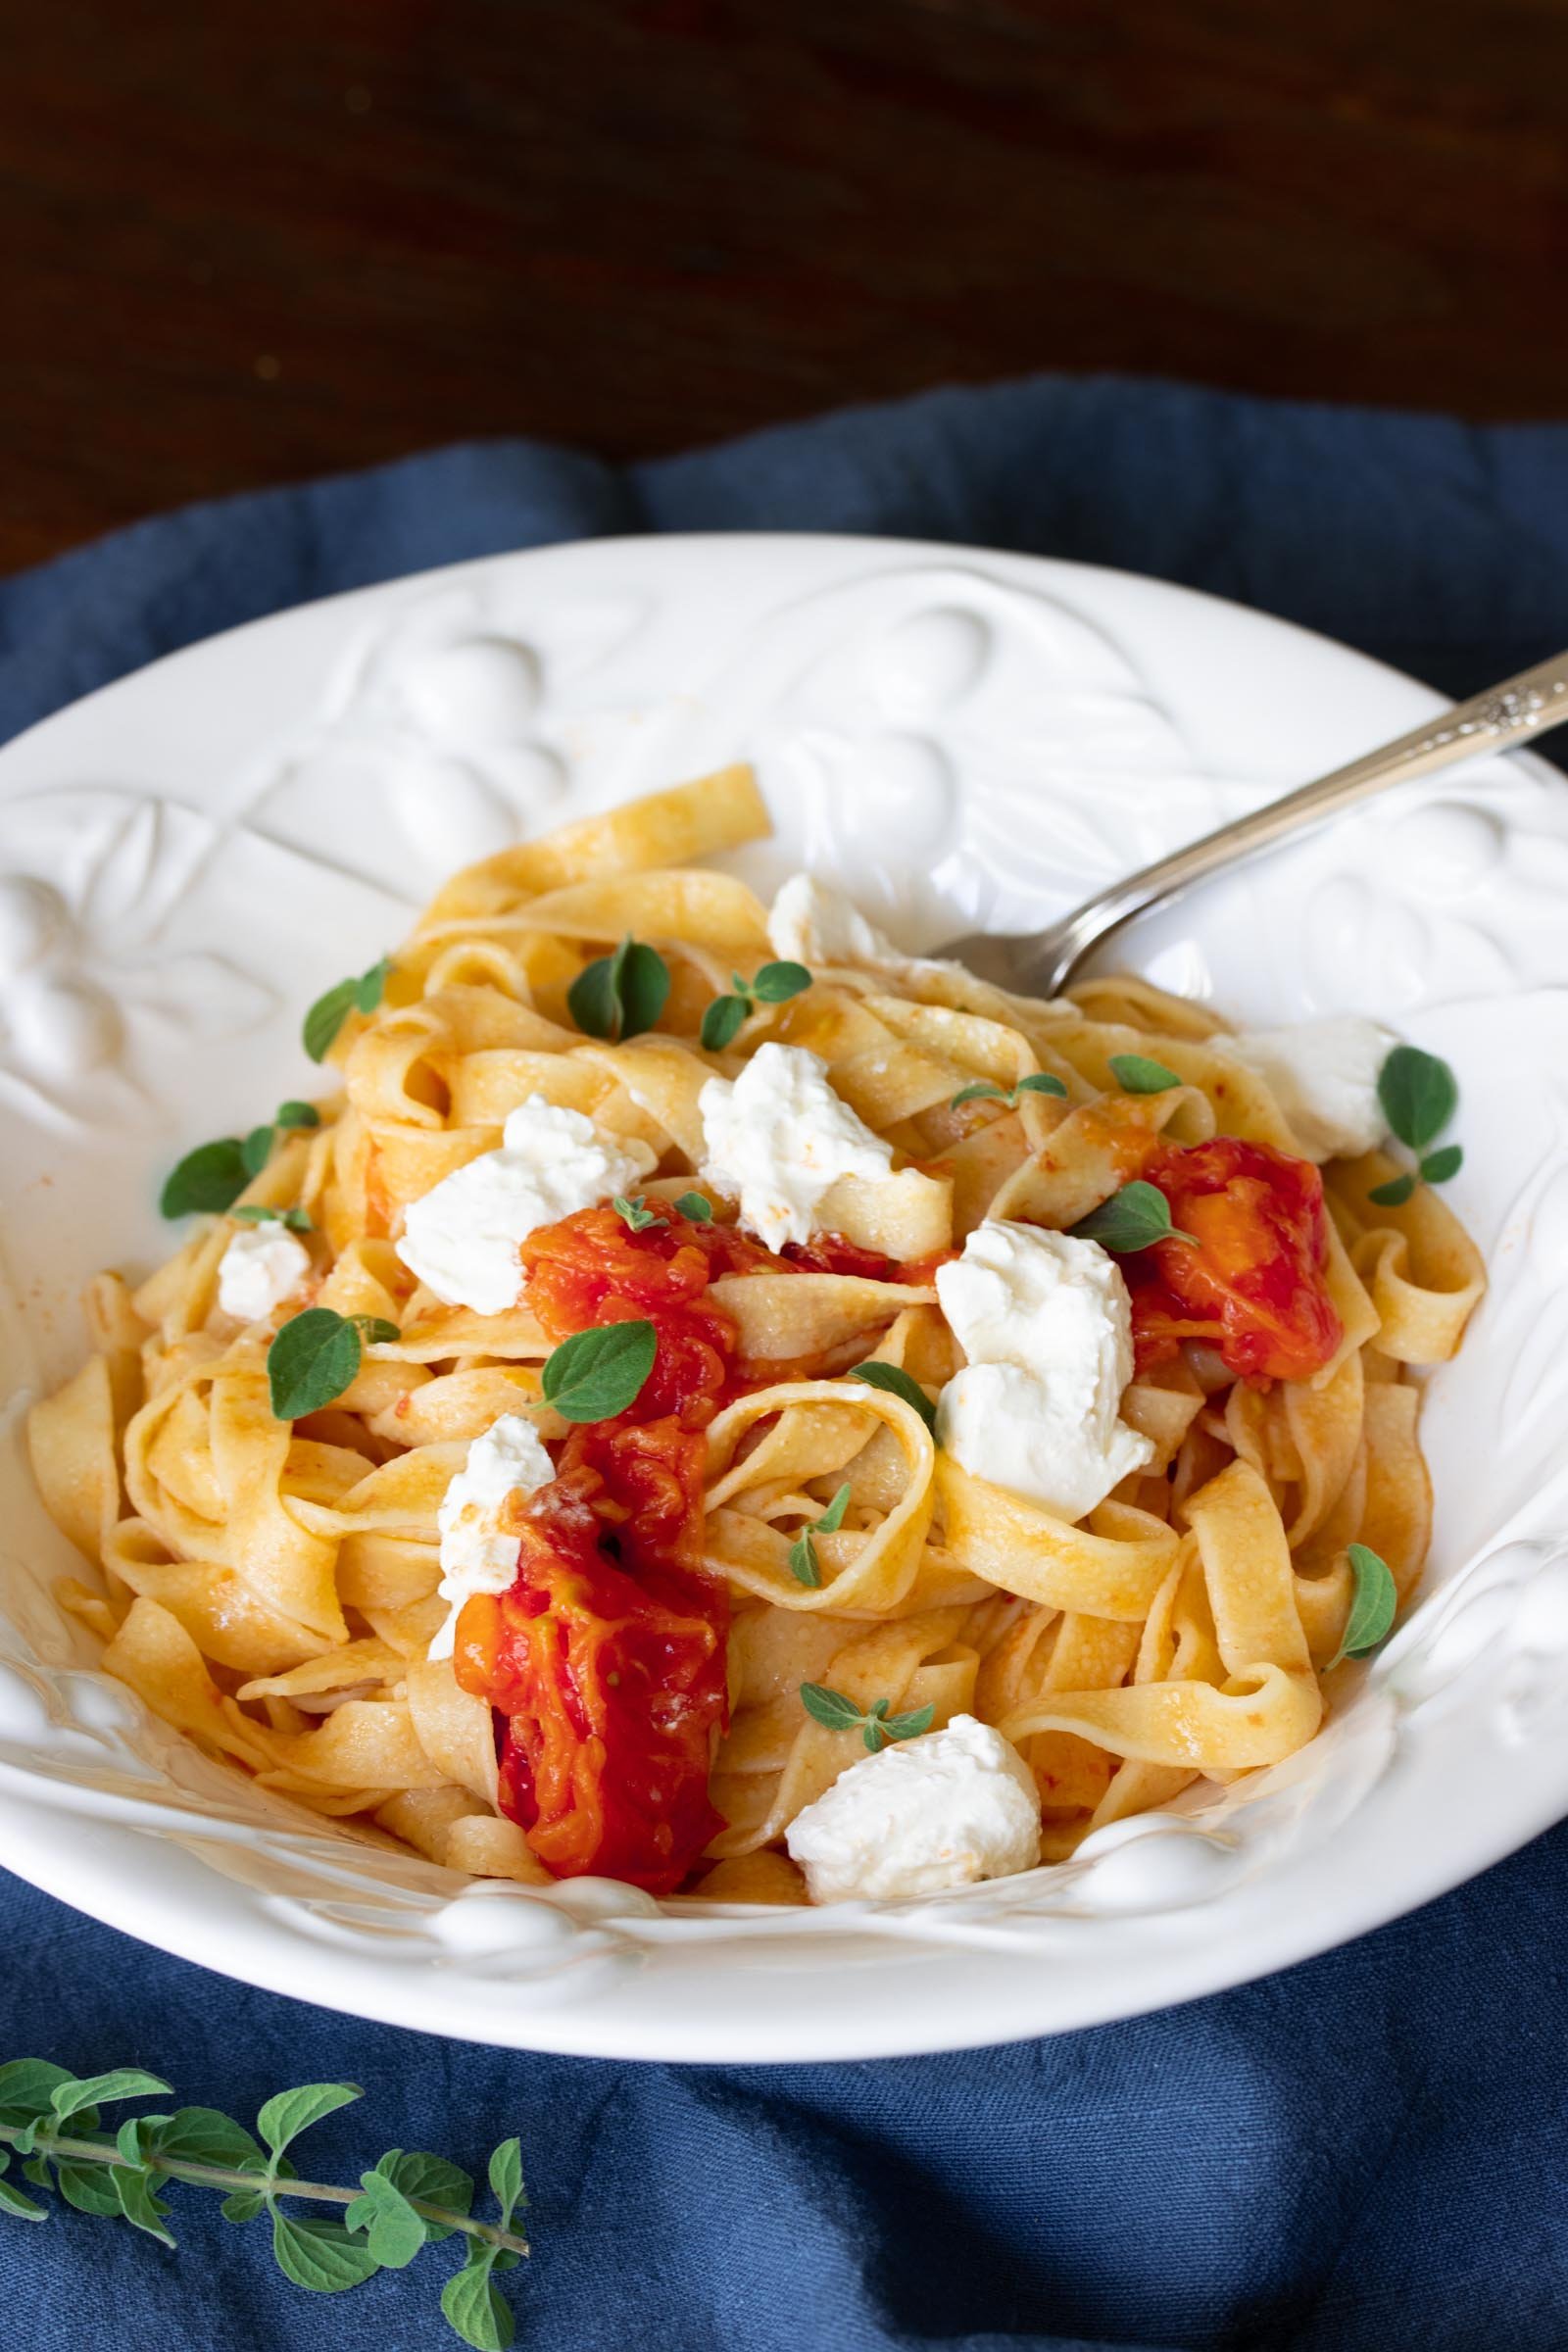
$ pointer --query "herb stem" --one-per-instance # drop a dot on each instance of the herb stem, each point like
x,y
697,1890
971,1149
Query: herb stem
x,y
220,2177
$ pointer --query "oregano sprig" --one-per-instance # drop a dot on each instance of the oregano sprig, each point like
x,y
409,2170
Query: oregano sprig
x,y
896,1383
317,1354
1132,1219
327,1014
805,1566
773,984
212,1176
635,1213
1419,1094
1038,1082
876,1724
407,2201
253,1213
619,996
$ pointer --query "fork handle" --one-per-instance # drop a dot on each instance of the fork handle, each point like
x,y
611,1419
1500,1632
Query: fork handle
x,y
1495,721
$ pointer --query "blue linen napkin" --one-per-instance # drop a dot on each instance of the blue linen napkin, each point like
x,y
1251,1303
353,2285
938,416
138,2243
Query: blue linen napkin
x,y
1370,2151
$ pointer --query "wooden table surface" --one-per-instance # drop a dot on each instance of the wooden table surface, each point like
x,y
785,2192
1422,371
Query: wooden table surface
x,y
246,240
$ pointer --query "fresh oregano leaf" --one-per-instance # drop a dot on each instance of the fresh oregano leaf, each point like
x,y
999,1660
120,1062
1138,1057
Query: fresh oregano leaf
x,y
253,1213
36,2170
830,1709
326,1017
137,2202
93,2090
288,2113
370,986
257,1149
1394,1194
16,2200
393,2231
775,982
1136,1074
805,1566
432,2180
475,2306
1419,1094
721,1023
87,2186
1131,1219
314,1358
634,1214
619,996
506,2178
696,1208
981,1091
206,2136
375,1331
1039,1082
897,1383
832,1518
1373,1605
27,2087
320,2255
596,1374
1438,1166
298,1115
243,2205
207,1179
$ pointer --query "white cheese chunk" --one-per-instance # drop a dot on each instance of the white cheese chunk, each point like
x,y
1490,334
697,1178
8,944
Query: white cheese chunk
x,y
942,1810
463,1236
1045,1324
778,1136
262,1265
809,922
478,1552
1324,1077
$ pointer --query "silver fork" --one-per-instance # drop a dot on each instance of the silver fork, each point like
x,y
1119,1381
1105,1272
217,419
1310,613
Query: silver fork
x,y
1039,964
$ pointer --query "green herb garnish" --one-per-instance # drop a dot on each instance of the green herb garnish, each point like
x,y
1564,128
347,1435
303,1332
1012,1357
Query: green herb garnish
x,y
208,1178
1372,1604
596,1374
1136,1074
773,984
409,2200
805,1566
316,1355
897,1383
1039,1082
328,1013
1419,1094
696,1208
634,1214
1132,1219
619,996
253,1213
876,1726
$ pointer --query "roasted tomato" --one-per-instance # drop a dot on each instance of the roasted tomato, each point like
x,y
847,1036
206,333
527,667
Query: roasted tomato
x,y
1253,1287
605,1662
607,1674
831,1254
591,1268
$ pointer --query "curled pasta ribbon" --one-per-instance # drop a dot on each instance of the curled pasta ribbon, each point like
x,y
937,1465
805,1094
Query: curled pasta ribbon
x,y
1268,1705
1422,1271
825,1432
1112,1567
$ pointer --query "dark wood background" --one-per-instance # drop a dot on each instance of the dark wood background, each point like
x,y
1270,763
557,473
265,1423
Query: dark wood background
x,y
244,240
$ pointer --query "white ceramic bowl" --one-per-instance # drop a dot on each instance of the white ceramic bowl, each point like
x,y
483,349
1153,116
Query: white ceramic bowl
x,y
963,738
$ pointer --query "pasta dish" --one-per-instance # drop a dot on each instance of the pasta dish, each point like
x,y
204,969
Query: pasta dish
x,y
711,1402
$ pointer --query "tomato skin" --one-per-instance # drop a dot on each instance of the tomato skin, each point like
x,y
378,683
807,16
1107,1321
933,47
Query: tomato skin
x,y
608,1677
1254,1287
